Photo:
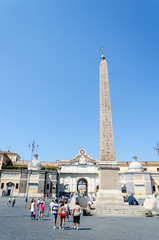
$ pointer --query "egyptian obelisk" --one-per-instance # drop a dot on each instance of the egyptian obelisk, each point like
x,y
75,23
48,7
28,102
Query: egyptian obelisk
x,y
109,192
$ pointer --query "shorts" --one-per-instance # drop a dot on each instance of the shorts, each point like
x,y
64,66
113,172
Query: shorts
x,y
76,219
41,211
62,216
54,216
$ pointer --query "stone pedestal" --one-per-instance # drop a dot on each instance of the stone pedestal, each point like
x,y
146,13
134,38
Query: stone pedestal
x,y
109,192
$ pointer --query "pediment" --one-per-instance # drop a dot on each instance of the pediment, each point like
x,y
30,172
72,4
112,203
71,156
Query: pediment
x,y
82,159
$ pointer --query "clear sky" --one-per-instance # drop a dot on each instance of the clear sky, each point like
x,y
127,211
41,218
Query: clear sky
x,y
49,76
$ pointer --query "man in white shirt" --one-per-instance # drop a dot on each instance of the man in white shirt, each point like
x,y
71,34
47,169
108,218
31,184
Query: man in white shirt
x,y
51,206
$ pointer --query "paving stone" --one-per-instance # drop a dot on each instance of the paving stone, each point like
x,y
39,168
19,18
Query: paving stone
x,y
15,224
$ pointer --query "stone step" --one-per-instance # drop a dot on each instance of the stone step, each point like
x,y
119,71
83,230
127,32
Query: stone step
x,y
119,211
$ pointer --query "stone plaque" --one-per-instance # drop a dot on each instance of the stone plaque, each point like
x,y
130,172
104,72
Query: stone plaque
x,y
14,176
34,177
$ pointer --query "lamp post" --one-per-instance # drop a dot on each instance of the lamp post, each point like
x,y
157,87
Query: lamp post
x,y
30,169
58,180
29,173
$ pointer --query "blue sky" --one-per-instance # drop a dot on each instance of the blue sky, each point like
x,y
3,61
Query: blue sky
x,y
49,83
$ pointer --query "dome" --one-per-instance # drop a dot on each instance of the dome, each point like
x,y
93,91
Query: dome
x,y
35,163
135,166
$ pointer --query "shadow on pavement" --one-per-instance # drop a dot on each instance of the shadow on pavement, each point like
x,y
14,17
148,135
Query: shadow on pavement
x,y
71,228
84,229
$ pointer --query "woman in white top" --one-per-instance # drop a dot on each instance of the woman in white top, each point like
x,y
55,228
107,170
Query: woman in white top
x,y
33,213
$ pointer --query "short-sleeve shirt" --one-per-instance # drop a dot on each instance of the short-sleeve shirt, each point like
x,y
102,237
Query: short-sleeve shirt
x,y
55,208
51,205
41,207
77,210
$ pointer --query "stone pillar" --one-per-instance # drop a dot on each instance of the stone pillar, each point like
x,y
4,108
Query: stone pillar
x,y
148,185
109,191
41,183
23,183
129,183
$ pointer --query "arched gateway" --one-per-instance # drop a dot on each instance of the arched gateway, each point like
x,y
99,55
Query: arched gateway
x,y
10,186
82,187
79,174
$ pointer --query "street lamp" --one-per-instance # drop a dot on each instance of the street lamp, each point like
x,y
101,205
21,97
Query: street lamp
x,y
58,179
30,168
29,173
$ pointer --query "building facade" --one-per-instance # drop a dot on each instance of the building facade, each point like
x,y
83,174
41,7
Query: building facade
x,y
80,174
28,180
139,178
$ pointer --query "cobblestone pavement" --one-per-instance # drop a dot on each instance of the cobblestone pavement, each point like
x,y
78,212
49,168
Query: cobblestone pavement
x,y
15,224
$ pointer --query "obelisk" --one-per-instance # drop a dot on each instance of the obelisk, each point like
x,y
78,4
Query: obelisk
x,y
109,192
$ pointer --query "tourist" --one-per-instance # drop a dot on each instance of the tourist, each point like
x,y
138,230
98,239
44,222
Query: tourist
x,y
9,201
55,212
89,204
38,203
63,212
68,210
13,201
33,213
31,207
51,206
41,210
76,212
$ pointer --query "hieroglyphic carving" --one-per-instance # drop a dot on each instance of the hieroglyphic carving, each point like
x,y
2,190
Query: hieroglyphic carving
x,y
106,129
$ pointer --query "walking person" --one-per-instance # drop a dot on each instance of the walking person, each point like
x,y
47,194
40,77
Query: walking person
x,y
13,201
51,206
55,212
41,210
63,212
68,210
38,203
76,212
9,201
33,209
